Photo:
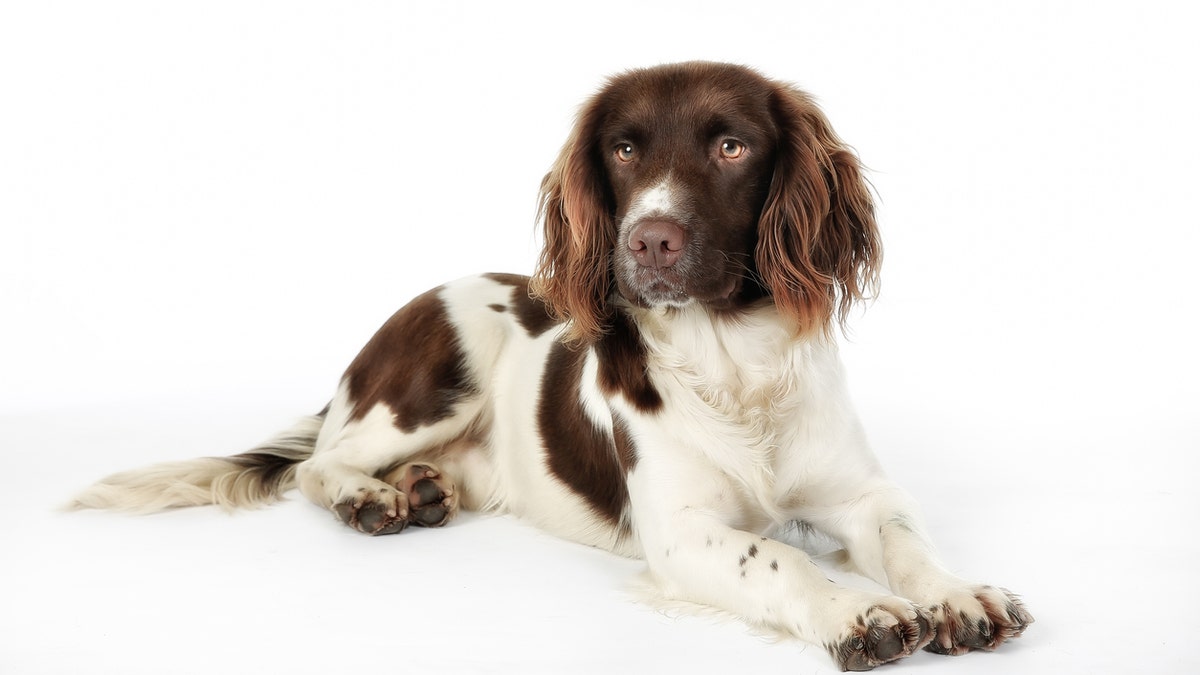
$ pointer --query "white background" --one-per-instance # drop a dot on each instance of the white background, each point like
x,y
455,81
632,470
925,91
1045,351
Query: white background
x,y
207,208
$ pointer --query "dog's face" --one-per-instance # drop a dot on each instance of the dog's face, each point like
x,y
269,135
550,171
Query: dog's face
x,y
688,160
704,183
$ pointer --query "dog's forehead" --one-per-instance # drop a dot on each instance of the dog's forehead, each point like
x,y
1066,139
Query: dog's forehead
x,y
646,101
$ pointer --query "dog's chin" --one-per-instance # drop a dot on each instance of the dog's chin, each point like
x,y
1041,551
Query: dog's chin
x,y
664,288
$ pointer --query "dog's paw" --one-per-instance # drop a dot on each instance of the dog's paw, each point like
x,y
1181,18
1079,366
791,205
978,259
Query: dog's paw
x,y
432,499
887,629
375,509
976,617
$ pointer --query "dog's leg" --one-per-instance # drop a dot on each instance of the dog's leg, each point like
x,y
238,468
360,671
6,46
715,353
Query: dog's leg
x,y
432,497
379,479
686,521
885,540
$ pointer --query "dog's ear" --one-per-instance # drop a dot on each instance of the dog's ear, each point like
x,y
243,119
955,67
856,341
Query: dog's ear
x,y
819,250
573,275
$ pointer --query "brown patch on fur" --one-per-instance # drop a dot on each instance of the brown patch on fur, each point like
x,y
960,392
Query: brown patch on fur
x,y
577,452
413,365
533,314
626,450
622,359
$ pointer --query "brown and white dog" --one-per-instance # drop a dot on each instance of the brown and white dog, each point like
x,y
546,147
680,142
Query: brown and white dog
x,y
666,385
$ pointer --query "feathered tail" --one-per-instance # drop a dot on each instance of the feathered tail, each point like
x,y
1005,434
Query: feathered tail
x,y
255,477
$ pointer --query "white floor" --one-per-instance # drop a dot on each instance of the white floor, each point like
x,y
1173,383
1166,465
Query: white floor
x,y
1107,572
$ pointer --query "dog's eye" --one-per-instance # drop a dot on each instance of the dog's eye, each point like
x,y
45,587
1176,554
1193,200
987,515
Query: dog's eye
x,y
731,149
625,152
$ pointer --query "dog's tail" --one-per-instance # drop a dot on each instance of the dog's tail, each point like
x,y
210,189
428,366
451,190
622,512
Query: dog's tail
x,y
255,477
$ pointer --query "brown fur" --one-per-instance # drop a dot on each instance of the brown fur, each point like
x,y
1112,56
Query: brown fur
x,y
577,452
573,275
815,249
819,249
413,364
533,314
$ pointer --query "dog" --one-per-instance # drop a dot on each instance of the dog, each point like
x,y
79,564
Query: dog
x,y
666,385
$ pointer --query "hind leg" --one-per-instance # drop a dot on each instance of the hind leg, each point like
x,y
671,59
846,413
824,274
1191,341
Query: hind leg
x,y
432,495
415,493
374,477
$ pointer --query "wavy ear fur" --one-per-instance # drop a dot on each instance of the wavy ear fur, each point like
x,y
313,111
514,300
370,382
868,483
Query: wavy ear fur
x,y
573,275
818,249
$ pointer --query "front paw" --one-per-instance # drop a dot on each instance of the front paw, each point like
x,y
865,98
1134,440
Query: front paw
x,y
976,617
886,630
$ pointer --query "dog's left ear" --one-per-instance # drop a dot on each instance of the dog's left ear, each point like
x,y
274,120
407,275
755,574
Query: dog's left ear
x,y
818,250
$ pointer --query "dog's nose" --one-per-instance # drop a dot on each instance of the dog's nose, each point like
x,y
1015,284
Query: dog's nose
x,y
657,243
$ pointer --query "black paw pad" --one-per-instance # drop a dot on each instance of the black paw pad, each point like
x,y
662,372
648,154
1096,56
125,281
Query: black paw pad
x,y
885,644
430,516
426,503
426,492
371,518
882,638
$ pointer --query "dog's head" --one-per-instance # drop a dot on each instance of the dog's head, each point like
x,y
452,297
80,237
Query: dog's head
x,y
705,183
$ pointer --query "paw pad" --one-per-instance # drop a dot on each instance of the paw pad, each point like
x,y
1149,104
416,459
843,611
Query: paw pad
x,y
432,498
883,635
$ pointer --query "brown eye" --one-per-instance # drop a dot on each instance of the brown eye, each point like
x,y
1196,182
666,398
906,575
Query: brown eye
x,y
731,149
625,152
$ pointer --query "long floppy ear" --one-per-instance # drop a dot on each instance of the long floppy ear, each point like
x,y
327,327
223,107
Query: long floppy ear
x,y
573,274
819,249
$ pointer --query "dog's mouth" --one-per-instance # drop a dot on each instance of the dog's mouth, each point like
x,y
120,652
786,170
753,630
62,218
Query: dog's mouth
x,y
660,286
675,287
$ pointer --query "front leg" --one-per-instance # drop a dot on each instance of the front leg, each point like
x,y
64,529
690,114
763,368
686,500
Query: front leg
x,y
967,615
694,554
885,540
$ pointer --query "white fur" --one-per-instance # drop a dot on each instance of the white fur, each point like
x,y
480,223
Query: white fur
x,y
656,201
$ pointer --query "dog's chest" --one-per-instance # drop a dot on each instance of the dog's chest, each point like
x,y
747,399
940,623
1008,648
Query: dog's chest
x,y
745,382
756,396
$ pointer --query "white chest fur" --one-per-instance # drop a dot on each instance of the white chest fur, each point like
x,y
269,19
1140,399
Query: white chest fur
x,y
741,392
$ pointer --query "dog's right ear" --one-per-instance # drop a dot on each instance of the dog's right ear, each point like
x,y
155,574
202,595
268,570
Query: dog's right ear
x,y
573,275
